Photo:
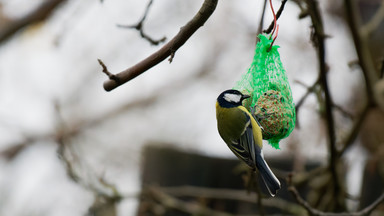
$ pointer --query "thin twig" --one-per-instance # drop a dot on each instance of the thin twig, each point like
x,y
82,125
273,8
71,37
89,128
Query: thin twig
x,y
302,202
370,208
140,27
310,89
259,197
374,22
303,10
184,34
343,111
269,29
14,149
106,71
351,137
70,159
361,45
315,212
304,177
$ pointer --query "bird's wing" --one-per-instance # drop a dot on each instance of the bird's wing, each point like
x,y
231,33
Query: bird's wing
x,y
245,147
256,159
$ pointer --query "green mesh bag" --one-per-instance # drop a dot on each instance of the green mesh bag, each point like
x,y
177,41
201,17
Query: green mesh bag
x,y
271,97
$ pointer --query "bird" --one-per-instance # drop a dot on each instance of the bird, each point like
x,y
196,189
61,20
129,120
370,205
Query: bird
x,y
242,134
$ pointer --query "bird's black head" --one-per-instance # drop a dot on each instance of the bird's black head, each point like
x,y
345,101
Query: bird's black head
x,y
231,98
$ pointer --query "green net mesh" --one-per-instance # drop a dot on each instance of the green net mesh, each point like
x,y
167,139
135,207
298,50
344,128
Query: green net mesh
x,y
271,97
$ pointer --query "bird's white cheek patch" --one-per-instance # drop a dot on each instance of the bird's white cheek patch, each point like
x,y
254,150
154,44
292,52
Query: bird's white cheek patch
x,y
232,98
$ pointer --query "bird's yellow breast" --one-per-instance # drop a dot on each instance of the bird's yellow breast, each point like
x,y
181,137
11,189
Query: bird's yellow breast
x,y
232,122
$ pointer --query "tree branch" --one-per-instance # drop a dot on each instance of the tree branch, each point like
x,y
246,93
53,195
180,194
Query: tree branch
x,y
233,194
318,39
39,14
76,128
168,198
260,28
314,212
171,202
167,50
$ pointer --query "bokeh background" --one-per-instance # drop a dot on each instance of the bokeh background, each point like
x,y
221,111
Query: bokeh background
x,y
53,105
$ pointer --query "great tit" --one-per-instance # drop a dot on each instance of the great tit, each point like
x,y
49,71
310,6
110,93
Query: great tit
x,y
242,134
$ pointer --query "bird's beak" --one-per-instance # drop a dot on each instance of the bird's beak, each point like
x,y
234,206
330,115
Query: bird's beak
x,y
245,97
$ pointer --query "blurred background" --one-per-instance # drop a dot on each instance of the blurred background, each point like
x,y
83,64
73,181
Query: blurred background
x,y
68,147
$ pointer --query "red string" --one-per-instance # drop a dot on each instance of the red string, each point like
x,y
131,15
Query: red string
x,y
274,17
273,41
275,26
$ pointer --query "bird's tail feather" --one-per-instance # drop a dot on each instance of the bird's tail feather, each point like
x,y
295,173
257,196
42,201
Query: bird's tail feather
x,y
270,180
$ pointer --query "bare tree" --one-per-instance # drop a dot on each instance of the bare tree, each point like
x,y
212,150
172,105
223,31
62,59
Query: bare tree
x,y
107,195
